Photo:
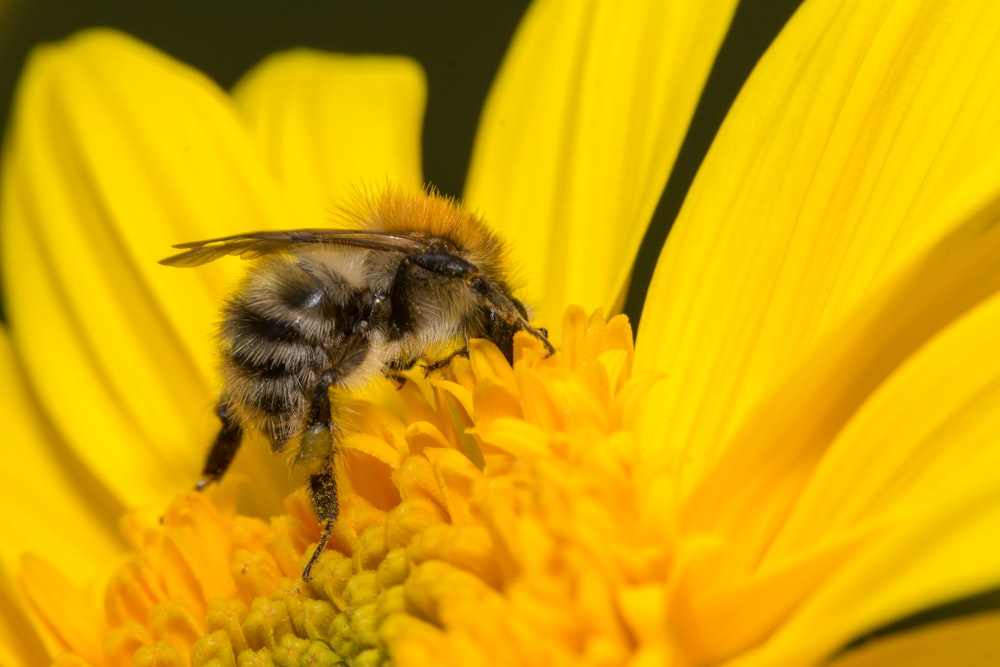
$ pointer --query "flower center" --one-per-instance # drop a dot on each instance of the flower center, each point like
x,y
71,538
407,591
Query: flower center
x,y
493,513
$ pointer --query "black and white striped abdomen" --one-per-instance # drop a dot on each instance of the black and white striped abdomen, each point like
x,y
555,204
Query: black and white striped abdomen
x,y
289,323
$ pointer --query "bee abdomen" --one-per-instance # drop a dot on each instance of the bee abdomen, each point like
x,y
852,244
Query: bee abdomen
x,y
273,353
280,334
276,405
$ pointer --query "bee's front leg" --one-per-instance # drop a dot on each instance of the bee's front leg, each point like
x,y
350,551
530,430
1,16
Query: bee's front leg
x,y
223,450
432,366
396,368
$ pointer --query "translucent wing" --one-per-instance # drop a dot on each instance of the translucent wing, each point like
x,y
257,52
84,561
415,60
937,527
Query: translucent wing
x,y
256,244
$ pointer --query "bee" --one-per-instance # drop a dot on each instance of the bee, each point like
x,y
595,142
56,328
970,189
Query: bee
x,y
324,311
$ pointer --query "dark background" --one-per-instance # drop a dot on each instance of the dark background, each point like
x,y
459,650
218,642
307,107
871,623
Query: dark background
x,y
459,43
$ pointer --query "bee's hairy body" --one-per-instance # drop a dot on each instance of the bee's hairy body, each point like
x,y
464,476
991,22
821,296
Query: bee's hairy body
x,y
326,310
297,318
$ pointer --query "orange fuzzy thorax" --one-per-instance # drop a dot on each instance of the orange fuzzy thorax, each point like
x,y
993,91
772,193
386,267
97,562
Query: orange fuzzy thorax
x,y
437,216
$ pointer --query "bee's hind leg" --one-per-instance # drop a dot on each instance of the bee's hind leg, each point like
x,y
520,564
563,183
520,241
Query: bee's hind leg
x,y
316,454
323,489
319,443
223,450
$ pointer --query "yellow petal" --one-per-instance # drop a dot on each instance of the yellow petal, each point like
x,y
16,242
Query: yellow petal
x,y
51,504
116,152
916,566
887,437
967,642
20,640
580,132
328,124
52,596
823,180
848,282
922,436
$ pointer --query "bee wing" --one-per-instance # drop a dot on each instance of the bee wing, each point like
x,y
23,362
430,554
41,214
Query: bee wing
x,y
256,244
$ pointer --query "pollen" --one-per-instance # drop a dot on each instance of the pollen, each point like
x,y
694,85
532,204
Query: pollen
x,y
493,515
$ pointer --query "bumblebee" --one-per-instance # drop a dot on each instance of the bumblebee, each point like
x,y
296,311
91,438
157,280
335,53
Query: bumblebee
x,y
321,312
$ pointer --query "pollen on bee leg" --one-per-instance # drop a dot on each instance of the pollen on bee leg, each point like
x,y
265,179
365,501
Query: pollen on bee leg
x,y
323,488
314,449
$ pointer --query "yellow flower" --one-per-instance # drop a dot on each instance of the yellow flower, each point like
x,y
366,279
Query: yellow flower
x,y
796,466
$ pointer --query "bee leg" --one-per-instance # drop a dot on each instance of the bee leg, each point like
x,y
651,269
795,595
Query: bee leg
x,y
223,450
432,366
317,446
323,489
316,452
396,368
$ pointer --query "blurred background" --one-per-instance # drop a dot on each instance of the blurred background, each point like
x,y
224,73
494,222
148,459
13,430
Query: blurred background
x,y
460,45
